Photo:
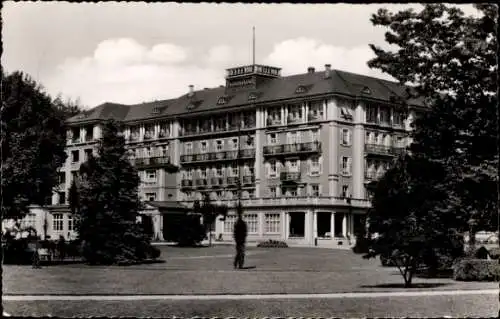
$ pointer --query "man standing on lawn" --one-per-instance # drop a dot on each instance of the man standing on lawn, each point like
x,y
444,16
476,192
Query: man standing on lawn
x,y
240,236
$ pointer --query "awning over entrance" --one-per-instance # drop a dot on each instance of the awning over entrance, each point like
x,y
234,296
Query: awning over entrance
x,y
167,207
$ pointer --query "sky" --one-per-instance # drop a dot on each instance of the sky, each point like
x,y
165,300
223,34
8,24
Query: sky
x,y
127,52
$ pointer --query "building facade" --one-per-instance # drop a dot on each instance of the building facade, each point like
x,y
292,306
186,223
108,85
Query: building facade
x,y
299,151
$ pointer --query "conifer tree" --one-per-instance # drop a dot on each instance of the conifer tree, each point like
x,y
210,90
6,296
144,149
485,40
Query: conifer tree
x,y
109,205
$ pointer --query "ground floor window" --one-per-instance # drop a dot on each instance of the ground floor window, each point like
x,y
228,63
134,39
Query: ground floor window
x,y
272,222
252,221
297,224
29,220
229,223
71,224
339,224
323,224
57,222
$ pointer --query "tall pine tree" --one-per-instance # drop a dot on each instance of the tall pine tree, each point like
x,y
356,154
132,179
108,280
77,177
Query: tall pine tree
x,y
109,205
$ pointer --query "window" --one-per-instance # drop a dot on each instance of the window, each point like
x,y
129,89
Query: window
x,y
74,175
346,113
272,223
271,138
218,170
252,221
57,222
371,114
71,224
219,195
147,151
188,147
221,100
292,137
315,165
346,165
315,135
316,110
397,118
229,223
219,144
151,175
272,169
62,198
384,116
314,190
291,192
294,112
203,147
251,193
345,191
293,166
75,156
151,197
233,169
189,174
164,150
272,192
345,137
234,143
203,173
61,176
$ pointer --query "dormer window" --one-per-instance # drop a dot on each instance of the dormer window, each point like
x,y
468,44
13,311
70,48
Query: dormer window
x,y
156,110
366,90
252,96
300,89
222,100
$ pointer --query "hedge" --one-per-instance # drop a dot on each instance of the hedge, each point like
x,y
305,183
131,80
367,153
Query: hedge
x,y
272,244
476,270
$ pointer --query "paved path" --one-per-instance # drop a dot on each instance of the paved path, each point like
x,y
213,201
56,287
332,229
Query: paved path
x,y
49,297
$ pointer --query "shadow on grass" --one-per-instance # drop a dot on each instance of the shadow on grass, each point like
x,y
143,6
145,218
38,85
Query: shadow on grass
x,y
446,273
402,285
248,267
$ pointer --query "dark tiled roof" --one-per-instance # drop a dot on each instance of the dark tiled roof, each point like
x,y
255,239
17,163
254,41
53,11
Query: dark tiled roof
x,y
339,82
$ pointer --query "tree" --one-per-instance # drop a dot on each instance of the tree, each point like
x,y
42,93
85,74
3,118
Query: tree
x,y
450,61
109,205
69,107
74,198
410,218
32,145
209,213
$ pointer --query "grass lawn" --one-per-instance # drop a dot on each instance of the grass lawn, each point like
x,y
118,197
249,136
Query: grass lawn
x,y
209,271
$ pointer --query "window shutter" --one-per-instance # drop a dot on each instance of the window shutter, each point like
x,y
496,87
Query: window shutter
x,y
348,137
320,161
268,169
349,165
341,136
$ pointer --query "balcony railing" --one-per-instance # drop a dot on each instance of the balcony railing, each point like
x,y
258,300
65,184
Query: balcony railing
x,y
273,121
151,161
216,181
201,182
292,120
290,176
231,127
291,201
248,179
314,117
217,156
377,149
232,180
187,183
310,147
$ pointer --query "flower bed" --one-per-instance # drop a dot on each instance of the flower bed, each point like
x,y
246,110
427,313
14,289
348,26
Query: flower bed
x,y
476,270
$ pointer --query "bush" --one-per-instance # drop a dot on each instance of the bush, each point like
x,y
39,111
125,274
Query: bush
x,y
494,253
362,246
476,270
272,244
188,231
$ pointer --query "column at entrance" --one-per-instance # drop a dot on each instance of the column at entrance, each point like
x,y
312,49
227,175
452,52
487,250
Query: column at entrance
x,y
344,224
157,225
332,224
315,224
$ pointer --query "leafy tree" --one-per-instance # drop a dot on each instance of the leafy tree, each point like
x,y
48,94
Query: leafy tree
x,y
69,107
209,213
450,60
74,197
32,142
409,217
109,205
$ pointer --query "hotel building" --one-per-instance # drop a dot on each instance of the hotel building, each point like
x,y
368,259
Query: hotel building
x,y
304,149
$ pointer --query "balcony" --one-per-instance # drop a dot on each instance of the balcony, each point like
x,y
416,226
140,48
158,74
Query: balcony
x,y
201,182
134,137
294,201
297,148
382,150
248,179
229,127
186,183
217,156
149,135
273,121
294,120
89,138
311,117
232,181
290,177
216,181
151,162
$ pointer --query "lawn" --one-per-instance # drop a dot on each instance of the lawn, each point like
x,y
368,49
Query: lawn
x,y
209,271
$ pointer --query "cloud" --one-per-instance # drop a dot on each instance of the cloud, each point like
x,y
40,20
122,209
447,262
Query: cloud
x,y
296,55
125,71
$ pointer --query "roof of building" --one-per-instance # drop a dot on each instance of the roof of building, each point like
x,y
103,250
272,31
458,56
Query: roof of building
x,y
314,83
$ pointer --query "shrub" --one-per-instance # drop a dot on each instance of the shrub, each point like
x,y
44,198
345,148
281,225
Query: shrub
x,y
362,246
494,253
272,244
476,270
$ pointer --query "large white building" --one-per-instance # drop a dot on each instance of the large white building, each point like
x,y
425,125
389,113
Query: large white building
x,y
309,145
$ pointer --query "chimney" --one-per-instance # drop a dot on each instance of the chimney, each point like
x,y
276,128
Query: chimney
x,y
310,70
327,70
191,90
